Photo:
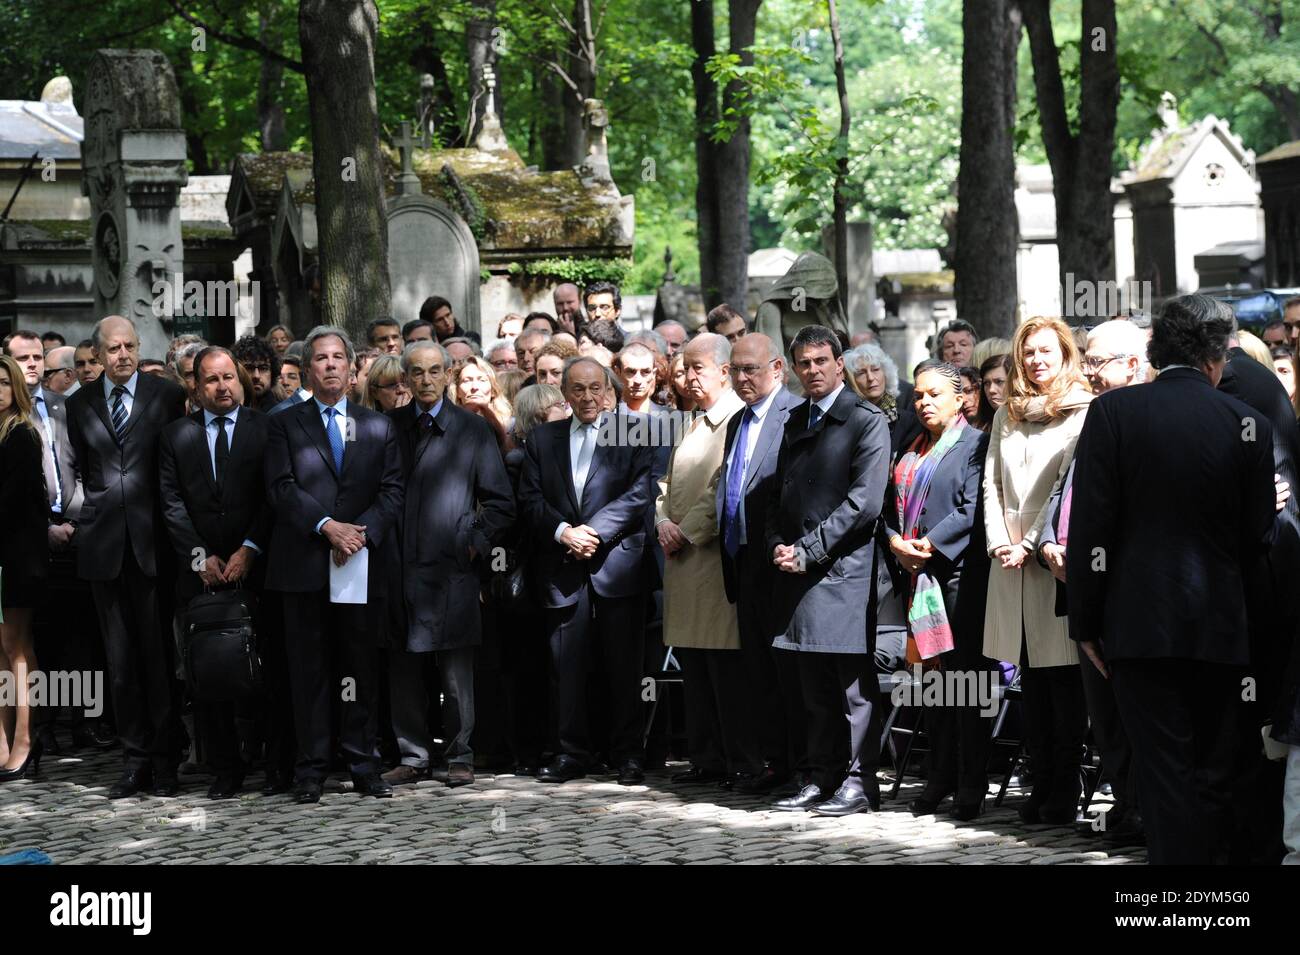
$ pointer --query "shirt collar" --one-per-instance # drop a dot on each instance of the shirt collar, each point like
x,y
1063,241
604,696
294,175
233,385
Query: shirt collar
x,y
304,394
825,403
432,412
129,386
575,423
38,394
341,407
209,417
726,405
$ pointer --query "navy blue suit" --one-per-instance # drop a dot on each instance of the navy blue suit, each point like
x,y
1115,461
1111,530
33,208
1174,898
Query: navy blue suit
x,y
602,598
304,487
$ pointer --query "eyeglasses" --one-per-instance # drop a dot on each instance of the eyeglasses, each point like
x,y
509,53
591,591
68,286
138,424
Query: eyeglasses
x,y
749,371
258,366
1097,364
502,364
608,307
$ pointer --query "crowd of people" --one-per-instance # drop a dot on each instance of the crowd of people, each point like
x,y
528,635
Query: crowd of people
x,y
1097,523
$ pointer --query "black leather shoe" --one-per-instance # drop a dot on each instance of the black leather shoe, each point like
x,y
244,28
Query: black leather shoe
x,y
966,811
631,773
697,776
307,790
806,798
277,782
92,737
755,785
223,787
923,805
1058,816
371,784
132,783
49,741
845,802
561,770
165,784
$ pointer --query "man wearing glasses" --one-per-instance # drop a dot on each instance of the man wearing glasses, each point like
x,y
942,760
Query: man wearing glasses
x,y
603,301
501,356
60,375
263,366
746,484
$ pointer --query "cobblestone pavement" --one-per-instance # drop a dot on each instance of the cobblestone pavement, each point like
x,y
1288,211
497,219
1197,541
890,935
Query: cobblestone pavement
x,y
500,819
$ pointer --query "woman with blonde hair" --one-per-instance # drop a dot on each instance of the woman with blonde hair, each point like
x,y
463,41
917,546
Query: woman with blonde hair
x,y
474,387
386,388
24,566
1031,444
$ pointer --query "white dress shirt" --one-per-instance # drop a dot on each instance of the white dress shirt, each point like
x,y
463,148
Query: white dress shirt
x,y
38,401
342,409
581,467
751,441
128,399
210,431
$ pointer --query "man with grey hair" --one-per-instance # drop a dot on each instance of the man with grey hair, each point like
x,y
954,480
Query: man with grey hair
x,y
114,426
674,334
526,346
461,350
60,371
699,622
335,480
501,356
458,505
183,366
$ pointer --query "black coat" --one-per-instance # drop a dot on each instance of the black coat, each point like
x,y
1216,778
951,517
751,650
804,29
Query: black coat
x,y
614,502
121,505
457,495
203,519
304,488
760,485
1273,600
831,482
24,544
1170,508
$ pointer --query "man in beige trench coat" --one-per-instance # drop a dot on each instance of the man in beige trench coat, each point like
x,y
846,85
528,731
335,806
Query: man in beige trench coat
x,y
699,622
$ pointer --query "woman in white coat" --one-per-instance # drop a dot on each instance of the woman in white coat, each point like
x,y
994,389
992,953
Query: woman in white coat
x,y
1031,444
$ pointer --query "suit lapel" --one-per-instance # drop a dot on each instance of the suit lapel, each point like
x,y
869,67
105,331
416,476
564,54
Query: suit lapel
x,y
598,454
100,404
769,432
565,460
198,440
314,427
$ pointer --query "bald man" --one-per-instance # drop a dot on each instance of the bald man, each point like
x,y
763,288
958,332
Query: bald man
x,y
568,306
114,425
61,371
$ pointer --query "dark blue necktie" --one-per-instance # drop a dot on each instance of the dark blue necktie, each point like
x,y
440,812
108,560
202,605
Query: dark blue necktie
x,y
814,415
336,439
735,487
119,410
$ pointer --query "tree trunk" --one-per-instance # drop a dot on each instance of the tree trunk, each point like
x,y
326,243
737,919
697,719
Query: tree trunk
x,y
478,37
1081,163
427,58
840,201
338,52
706,117
558,151
582,70
270,93
987,227
731,159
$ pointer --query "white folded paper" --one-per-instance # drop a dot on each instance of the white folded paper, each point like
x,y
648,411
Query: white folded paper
x,y
348,583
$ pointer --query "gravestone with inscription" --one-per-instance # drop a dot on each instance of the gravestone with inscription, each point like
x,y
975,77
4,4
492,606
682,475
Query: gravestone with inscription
x,y
133,161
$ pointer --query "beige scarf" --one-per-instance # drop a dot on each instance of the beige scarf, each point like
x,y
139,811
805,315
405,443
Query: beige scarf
x,y
1036,409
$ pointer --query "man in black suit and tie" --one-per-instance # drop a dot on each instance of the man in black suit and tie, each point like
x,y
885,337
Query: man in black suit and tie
x,y
583,495
334,478
114,425
1173,500
832,472
747,482
458,505
211,473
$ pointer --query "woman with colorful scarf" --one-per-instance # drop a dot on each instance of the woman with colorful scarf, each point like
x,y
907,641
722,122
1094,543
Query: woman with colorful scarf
x,y
930,510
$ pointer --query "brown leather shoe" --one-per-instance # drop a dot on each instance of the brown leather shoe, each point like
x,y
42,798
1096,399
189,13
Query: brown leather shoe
x,y
404,775
460,774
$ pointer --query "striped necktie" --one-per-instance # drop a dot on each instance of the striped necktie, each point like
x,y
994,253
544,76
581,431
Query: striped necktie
x,y
119,410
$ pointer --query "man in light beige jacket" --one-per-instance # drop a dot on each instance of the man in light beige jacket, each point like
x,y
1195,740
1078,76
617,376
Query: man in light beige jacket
x,y
699,622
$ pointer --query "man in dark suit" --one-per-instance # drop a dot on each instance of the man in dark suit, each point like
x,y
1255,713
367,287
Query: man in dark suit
x,y
114,425
831,473
747,482
458,505
1273,604
211,474
583,495
334,478
1172,631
